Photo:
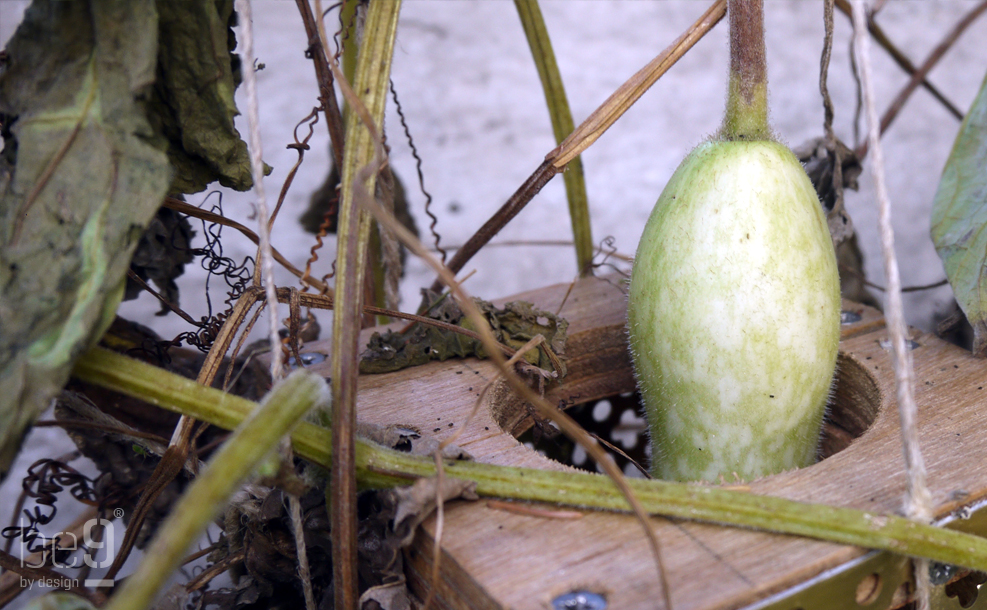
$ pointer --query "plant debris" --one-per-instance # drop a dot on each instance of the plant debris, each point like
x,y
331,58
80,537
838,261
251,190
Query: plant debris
x,y
258,544
409,439
820,164
126,438
392,528
323,208
513,325
161,255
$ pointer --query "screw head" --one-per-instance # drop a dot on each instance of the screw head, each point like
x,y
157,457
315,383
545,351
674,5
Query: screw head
x,y
909,344
307,359
579,600
941,573
849,317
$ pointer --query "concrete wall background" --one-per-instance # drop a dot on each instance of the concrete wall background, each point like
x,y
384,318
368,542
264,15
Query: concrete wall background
x,y
475,107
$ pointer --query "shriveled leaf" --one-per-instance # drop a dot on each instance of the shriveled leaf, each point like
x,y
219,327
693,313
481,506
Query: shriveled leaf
x,y
78,182
161,255
415,503
391,596
959,219
192,100
514,325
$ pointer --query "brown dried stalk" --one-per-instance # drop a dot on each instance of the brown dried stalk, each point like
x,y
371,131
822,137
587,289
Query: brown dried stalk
x,y
362,161
903,62
585,135
919,75
323,75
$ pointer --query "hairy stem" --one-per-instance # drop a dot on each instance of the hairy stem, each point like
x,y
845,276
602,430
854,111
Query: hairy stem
x,y
747,99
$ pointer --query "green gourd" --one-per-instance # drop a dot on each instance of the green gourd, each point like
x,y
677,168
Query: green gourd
x,y
734,305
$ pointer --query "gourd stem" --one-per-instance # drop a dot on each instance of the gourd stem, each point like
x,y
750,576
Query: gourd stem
x,y
747,98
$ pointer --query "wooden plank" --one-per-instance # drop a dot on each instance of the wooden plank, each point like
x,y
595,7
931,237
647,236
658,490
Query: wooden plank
x,y
498,559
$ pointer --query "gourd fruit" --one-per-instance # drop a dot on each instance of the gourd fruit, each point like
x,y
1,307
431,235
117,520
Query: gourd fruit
x,y
734,305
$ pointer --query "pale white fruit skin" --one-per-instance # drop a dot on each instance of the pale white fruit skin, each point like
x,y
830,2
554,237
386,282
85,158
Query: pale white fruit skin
x,y
734,315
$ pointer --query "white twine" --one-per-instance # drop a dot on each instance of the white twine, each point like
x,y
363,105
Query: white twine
x,y
266,262
918,503
304,572
257,170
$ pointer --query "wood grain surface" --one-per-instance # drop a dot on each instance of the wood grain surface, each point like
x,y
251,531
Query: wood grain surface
x,y
497,558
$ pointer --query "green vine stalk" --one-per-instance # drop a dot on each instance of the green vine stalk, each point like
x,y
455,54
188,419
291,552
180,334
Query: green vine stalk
x,y
259,432
379,467
562,125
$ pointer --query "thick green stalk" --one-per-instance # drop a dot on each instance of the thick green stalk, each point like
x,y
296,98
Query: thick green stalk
x,y
562,126
747,97
373,286
376,263
347,17
259,432
373,71
378,467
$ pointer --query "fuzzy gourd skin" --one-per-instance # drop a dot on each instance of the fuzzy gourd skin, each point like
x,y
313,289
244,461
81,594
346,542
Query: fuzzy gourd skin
x,y
734,315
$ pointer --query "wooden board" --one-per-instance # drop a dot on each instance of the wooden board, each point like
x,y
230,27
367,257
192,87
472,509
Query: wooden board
x,y
492,558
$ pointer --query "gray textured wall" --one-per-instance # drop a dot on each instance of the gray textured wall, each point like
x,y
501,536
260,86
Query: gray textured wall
x,y
469,88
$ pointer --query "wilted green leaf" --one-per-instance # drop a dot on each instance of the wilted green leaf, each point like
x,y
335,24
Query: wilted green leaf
x,y
959,219
78,182
192,100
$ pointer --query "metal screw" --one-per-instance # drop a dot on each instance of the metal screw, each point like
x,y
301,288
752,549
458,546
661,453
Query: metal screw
x,y
849,317
579,600
886,344
941,573
307,359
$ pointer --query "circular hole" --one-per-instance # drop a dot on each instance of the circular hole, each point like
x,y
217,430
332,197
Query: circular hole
x,y
868,589
854,406
619,418
624,427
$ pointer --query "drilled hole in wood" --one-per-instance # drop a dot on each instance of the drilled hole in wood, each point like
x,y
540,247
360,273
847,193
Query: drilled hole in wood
x,y
853,408
619,419
869,589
